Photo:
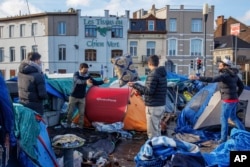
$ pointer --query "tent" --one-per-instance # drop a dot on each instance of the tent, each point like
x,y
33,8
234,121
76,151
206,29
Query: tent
x,y
33,139
211,115
194,109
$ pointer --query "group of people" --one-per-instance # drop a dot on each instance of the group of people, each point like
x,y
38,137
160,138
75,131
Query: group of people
x,y
154,92
32,91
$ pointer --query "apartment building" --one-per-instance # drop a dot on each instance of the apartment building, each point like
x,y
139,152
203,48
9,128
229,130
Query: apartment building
x,y
185,38
53,35
64,39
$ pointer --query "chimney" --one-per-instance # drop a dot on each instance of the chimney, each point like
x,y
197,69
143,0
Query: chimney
x,y
127,13
106,12
219,20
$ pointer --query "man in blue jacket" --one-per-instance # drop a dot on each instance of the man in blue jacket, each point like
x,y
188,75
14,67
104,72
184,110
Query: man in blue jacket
x,y
230,88
154,92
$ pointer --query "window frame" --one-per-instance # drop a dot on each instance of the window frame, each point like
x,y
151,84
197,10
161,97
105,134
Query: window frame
x,y
62,52
117,31
90,31
172,47
133,48
11,31
150,50
12,54
23,52
61,28
195,47
33,29
1,54
22,30
196,25
172,25
151,25
90,55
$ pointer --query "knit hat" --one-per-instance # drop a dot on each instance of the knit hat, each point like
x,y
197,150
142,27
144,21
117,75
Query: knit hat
x,y
226,61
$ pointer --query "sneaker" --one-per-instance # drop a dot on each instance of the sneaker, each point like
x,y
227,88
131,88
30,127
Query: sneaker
x,y
73,125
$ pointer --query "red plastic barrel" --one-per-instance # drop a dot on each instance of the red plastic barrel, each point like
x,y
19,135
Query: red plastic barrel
x,y
107,105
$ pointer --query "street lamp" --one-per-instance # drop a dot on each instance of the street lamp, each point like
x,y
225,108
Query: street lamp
x,y
205,14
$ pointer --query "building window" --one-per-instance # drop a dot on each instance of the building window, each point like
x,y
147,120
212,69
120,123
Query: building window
x,y
90,30
23,53
90,55
117,31
34,48
196,25
172,46
61,28
34,29
61,52
196,47
133,48
1,31
11,31
116,53
22,30
12,54
150,48
172,25
1,54
151,25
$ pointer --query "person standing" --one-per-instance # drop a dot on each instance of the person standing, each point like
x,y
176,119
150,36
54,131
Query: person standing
x,y
81,80
230,88
31,83
154,91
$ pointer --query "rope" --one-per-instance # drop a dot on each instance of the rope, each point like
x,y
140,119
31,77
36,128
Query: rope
x,y
34,38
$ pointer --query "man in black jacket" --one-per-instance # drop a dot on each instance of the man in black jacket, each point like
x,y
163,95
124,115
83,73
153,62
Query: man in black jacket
x,y
154,92
31,83
81,80
230,88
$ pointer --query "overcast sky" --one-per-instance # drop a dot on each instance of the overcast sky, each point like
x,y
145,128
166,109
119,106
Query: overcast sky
x,y
240,9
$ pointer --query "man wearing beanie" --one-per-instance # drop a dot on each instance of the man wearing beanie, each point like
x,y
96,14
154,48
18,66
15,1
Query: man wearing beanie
x,y
31,83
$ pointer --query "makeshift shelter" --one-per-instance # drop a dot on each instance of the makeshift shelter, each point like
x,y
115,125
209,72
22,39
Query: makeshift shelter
x,y
211,115
194,109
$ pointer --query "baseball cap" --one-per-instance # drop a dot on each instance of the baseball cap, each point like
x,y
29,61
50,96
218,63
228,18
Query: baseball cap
x,y
226,61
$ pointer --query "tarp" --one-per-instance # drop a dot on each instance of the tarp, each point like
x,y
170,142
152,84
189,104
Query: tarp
x,y
195,107
211,115
33,138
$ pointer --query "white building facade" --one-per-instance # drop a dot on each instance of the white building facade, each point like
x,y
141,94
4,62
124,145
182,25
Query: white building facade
x,y
64,39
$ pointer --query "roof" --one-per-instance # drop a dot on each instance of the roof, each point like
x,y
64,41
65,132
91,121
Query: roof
x,y
229,42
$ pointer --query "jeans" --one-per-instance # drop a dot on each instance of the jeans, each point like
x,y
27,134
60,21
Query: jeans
x,y
229,111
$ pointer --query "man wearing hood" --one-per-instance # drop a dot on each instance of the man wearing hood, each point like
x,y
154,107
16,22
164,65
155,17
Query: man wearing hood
x,y
31,83
230,88
154,92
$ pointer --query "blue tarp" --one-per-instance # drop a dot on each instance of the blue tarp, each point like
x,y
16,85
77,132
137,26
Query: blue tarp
x,y
195,108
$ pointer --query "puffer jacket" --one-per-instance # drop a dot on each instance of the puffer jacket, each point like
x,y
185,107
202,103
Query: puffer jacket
x,y
31,86
80,84
155,88
229,83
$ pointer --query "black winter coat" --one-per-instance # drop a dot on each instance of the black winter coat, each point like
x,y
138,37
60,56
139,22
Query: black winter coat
x,y
31,86
80,84
229,83
155,88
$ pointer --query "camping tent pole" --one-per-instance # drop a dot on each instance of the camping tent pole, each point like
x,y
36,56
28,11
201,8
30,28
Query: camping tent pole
x,y
176,97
